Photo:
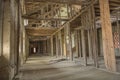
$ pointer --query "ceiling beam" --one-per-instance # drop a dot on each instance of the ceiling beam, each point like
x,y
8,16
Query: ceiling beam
x,y
38,34
73,18
52,19
77,2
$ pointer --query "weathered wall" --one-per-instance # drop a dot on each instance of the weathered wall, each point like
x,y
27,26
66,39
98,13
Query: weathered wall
x,y
6,31
6,42
3,57
23,38
8,61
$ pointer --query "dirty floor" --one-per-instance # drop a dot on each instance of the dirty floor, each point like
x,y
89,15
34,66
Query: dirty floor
x,y
50,68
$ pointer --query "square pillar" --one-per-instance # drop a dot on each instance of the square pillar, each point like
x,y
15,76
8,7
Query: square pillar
x,y
69,41
84,47
108,47
51,41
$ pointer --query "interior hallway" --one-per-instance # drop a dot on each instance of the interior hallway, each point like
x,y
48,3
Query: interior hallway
x,y
50,68
81,36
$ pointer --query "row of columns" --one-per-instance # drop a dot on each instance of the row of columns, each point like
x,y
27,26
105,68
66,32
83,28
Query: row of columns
x,y
108,47
63,43
89,27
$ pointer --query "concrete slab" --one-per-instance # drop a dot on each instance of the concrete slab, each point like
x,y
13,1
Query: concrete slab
x,y
40,68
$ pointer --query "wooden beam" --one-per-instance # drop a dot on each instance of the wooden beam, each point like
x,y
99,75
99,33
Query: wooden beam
x,y
36,18
56,40
1,25
44,14
77,2
77,43
94,36
108,47
89,44
37,10
65,43
60,39
41,28
38,34
84,47
69,41
77,15
52,52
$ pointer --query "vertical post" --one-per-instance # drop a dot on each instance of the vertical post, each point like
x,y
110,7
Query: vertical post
x,y
69,43
118,26
79,43
76,41
48,46
57,53
83,39
51,40
61,49
65,45
108,47
84,47
94,34
89,45
71,11
1,25
68,14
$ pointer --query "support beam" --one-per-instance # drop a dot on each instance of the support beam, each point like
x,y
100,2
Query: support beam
x,y
1,25
89,44
77,2
60,39
84,47
108,47
94,37
57,51
69,42
46,19
64,43
95,46
51,40
77,43
74,17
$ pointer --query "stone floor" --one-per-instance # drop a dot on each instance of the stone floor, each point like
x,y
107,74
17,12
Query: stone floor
x,y
49,68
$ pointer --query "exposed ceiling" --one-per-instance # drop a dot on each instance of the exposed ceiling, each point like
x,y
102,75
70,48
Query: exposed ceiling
x,y
45,17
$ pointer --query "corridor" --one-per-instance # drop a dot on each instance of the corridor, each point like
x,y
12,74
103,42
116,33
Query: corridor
x,y
50,68
59,39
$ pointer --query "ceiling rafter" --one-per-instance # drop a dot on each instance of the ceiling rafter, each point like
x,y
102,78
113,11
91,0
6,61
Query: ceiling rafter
x,y
52,19
77,2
